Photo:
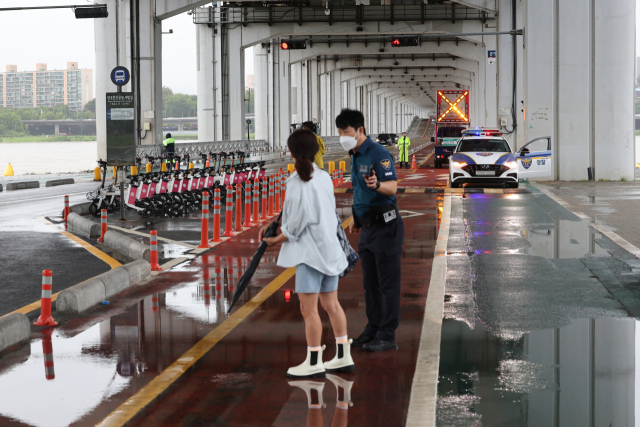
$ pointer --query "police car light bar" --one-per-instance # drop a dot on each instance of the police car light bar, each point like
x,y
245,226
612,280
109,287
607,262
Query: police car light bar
x,y
481,132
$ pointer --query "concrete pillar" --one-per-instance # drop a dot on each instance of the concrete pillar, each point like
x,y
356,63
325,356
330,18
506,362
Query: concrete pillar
x,y
236,84
283,106
271,90
324,111
312,90
351,84
150,84
261,83
613,108
490,82
57,129
205,45
336,98
304,76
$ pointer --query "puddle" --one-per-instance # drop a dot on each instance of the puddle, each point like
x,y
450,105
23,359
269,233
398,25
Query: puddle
x,y
568,239
583,373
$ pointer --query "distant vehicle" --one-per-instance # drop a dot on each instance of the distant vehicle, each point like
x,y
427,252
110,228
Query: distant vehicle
x,y
120,76
446,140
385,139
483,156
394,137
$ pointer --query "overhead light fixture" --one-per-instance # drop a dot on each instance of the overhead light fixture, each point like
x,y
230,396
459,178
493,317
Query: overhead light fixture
x,y
327,11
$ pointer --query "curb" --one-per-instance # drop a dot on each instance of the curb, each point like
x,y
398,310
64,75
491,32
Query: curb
x,y
14,328
12,186
56,182
82,226
80,209
0,187
130,247
85,295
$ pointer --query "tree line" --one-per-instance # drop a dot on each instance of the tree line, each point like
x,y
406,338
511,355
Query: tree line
x,y
11,118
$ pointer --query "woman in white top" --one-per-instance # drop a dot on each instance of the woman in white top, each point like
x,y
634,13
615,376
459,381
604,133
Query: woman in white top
x,y
310,243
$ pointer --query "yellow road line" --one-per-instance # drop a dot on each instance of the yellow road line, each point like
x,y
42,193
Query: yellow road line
x,y
97,252
126,411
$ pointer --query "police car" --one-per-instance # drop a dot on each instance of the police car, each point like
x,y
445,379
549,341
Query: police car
x,y
483,156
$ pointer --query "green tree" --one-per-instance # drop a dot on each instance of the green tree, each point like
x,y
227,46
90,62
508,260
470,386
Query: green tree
x,y
637,105
11,123
166,94
181,105
249,105
90,106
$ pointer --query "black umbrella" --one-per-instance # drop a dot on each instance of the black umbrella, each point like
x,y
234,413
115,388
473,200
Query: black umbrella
x,y
255,261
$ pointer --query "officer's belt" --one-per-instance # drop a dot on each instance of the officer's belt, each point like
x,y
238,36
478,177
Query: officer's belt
x,y
381,215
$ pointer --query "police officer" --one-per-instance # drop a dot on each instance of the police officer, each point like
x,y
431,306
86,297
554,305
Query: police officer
x,y
403,150
169,145
321,150
376,216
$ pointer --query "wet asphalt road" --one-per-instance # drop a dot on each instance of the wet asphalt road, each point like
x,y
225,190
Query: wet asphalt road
x,y
538,327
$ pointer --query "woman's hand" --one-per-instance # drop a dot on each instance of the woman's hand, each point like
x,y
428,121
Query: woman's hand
x,y
263,230
352,227
270,241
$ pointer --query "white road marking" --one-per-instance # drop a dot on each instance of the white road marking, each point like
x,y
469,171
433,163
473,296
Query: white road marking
x,y
424,389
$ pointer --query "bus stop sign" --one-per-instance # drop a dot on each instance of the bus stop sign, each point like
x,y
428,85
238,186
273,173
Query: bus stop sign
x,y
453,106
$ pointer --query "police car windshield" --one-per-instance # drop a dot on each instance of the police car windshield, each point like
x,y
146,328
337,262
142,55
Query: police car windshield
x,y
483,145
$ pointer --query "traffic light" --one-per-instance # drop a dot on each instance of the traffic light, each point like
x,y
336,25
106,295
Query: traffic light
x,y
88,12
404,41
293,44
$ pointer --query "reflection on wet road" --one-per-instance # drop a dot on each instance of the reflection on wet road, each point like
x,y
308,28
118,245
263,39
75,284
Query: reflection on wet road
x,y
537,329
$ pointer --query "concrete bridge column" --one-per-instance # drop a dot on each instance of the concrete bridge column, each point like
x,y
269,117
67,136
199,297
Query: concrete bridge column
x,y
313,92
206,74
235,69
261,83
375,113
336,99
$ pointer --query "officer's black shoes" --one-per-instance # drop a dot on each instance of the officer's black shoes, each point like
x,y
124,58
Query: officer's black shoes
x,y
362,340
380,345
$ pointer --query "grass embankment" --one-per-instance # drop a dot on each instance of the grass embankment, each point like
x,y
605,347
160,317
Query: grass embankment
x,y
59,138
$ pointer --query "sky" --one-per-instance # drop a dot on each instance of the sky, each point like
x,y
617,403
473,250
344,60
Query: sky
x,y
55,37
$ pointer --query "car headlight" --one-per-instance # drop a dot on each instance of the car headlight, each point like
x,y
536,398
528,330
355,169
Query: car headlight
x,y
511,165
459,164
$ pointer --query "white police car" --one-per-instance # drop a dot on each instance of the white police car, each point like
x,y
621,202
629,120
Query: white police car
x,y
483,156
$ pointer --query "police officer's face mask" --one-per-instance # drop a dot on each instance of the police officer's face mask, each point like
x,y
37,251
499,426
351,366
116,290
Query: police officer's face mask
x,y
349,142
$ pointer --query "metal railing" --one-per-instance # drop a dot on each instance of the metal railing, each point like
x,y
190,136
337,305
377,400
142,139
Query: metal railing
x,y
194,149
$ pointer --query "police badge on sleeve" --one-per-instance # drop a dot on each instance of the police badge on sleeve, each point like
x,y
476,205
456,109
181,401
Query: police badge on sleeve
x,y
386,164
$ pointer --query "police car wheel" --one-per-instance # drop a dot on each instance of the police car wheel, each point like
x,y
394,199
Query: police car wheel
x,y
514,185
437,164
455,185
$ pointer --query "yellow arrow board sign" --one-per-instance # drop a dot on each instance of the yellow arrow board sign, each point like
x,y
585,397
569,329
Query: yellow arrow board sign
x,y
453,106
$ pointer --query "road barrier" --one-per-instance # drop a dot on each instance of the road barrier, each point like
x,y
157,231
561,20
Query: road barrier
x,y
216,216
204,229
283,190
45,318
14,328
103,225
149,167
256,201
83,296
67,210
153,249
47,351
228,215
96,174
414,165
134,170
247,204
277,194
8,170
238,226
291,168
270,196
340,177
56,182
82,226
265,202
155,306
25,185
127,246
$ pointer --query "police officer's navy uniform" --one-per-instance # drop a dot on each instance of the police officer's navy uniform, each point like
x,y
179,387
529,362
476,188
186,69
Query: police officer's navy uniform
x,y
380,246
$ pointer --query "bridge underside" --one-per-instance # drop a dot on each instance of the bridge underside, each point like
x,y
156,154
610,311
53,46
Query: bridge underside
x,y
570,76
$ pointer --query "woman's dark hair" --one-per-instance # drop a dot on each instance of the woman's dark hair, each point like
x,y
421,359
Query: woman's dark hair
x,y
303,146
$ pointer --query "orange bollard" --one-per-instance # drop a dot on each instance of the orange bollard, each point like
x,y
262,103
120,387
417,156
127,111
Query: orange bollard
x,y
153,256
341,177
154,303
238,226
219,289
45,318
67,210
247,205
103,225
47,351
177,166
265,202
270,196
216,216
283,190
256,201
204,229
228,217
277,194
414,165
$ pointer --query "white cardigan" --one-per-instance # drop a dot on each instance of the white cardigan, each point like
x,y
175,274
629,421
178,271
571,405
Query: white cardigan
x,y
309,222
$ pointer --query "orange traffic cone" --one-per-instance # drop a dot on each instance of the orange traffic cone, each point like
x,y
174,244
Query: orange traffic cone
x,y
208,164
414,165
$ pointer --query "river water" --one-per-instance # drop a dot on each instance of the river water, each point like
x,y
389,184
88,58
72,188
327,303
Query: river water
x,y
70,157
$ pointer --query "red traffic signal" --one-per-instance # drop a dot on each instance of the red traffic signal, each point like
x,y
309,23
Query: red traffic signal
x,y
293,44
404,41
287,295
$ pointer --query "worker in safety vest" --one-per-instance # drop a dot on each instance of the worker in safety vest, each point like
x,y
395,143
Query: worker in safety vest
x,y
318,159
170,146
403,150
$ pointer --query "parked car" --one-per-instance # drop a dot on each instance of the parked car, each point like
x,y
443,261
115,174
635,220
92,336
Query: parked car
x,y
385,139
